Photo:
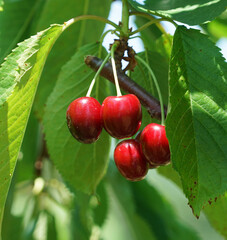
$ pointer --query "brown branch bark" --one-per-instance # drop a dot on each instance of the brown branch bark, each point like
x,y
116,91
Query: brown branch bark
x,y
127,84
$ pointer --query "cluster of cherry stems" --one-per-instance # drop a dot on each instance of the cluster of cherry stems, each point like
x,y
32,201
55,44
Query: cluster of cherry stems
x,y
121,117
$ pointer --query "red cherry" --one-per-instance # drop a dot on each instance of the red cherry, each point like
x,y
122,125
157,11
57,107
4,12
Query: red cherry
x,y
150,165
121,115
155,145
84,119
130,161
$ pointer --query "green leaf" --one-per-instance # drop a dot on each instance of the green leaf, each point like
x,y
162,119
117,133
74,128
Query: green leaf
x,y
1,5
164,45
101,210
187,11
51,227
216,213
196,125
158,212
11,225
80,33
128,223
82,165
30,149
169,172
13,22
81,218
218,27
150,34
24,67
174,196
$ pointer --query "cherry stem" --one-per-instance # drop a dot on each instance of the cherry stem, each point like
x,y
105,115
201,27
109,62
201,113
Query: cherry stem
x,y
157,87
114,46
148,16
127,84
96,75
146,25
91,17
125,19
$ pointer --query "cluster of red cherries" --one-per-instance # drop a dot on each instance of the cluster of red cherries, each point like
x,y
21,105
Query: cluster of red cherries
x,y
121,117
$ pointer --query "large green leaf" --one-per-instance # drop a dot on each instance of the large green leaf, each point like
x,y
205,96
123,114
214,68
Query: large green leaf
x,y
80,33
13,22
82,165
197,122
190,12
22,69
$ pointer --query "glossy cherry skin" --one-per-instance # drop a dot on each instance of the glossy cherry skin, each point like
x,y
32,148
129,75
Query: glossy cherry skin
x,y
84,119
121,115
129,160
154,144
150,165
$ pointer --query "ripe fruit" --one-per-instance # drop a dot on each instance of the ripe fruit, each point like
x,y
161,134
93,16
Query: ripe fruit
x,y
150,165
155,145
84,119
121,115
129,160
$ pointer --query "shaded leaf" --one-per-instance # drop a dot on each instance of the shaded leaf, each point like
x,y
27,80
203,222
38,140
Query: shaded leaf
x,y
101,210
158,212
29,150
51,227
217,214
13,22
164,45
11,225
218,27
173,195
150,34
186,11
122,215
196,125
81,165
169,172
80,33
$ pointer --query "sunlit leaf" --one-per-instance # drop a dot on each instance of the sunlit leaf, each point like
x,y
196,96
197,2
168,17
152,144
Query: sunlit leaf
x,y
197,122
186,11
20,71
13,22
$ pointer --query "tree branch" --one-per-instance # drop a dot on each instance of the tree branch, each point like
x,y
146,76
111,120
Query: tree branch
x,y
127,84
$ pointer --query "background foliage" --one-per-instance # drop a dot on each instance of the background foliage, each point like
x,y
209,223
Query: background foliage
x,y
61,189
